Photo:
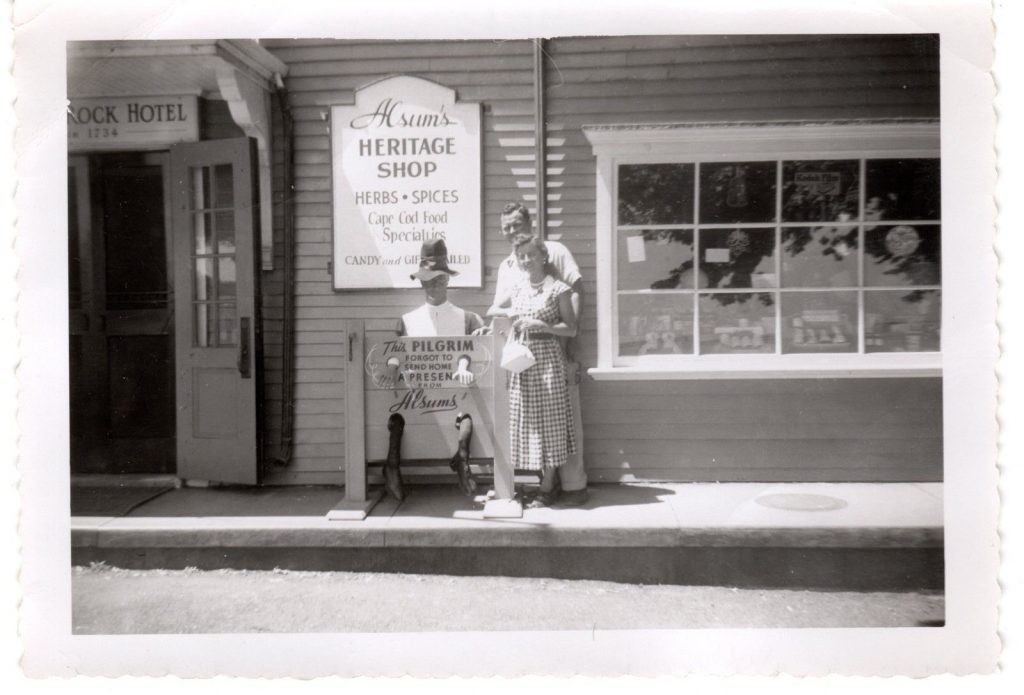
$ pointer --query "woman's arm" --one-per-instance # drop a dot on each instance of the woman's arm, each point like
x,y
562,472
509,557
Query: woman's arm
x,y
502,305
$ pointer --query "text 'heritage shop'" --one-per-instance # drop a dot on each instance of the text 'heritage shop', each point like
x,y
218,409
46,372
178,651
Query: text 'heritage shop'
x,y
406,162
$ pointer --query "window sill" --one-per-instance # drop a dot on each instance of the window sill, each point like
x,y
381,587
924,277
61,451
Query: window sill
x,y
776,367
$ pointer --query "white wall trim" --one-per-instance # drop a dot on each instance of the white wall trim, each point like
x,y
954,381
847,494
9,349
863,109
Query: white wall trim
x,y
850,366
768,136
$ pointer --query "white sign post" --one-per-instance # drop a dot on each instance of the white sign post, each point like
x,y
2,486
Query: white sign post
x,y
406,168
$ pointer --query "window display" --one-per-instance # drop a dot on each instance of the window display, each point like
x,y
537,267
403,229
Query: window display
x,y
737,323
656,323
819,322
818,256
901,321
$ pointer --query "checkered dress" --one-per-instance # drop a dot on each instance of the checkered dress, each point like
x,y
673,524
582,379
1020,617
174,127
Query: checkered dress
x,y
540,413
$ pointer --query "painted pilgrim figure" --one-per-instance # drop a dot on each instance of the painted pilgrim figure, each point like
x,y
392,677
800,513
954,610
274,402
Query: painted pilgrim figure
x,y
437,316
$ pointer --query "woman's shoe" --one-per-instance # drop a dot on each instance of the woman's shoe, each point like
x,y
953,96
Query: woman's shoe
x,y
546,498
573,498
543,500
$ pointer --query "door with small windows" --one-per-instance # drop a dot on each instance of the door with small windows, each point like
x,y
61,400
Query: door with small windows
x,y
215,218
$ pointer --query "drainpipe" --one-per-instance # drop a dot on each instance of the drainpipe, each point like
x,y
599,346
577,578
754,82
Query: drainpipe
x,y
284,456
540,153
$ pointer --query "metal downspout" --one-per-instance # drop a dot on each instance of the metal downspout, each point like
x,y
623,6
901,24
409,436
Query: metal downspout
x,y
540,130
284,456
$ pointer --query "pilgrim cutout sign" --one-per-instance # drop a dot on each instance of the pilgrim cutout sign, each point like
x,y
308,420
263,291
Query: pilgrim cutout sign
x,y
415,378
406,168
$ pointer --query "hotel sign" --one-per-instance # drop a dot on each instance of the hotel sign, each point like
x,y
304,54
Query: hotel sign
x,y
406,168
135,123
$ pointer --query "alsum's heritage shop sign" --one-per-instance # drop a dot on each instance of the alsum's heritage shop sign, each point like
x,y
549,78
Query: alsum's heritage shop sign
x,y
406,165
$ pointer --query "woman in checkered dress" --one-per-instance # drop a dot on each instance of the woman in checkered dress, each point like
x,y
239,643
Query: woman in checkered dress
x,y
541,429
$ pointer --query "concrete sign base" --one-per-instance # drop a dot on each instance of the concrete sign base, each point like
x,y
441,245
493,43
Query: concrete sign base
x,y
503,509
354,510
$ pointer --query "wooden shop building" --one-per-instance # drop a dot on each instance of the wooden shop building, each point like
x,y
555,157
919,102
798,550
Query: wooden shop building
x,y
757,220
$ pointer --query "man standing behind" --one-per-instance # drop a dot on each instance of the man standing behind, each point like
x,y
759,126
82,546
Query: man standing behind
x,y
516,226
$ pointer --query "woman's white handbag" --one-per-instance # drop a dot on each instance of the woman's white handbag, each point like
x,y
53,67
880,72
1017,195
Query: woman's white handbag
x,y
516,357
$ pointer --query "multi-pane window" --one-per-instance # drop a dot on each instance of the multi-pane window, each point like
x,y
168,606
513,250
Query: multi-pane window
x,y
779,256
213,256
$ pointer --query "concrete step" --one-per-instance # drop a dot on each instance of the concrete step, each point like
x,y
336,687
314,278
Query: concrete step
x,y
847,536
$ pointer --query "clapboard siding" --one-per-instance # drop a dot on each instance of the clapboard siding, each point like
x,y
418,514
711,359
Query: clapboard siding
x,y
499,75
763,430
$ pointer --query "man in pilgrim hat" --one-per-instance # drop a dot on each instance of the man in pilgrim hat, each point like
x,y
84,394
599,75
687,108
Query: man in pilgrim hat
x,y
436,317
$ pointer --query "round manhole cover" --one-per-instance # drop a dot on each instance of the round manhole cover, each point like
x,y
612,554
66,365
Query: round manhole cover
x,y
800,502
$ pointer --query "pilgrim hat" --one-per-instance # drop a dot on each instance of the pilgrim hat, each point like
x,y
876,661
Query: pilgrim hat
x,y
433,261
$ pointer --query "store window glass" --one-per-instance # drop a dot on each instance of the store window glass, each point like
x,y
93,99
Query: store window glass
x,y
656,194
902,321
820,256
814,322
902,189
733,258
737,323
656,259
820,191
901,255
738,192
782,256
656,324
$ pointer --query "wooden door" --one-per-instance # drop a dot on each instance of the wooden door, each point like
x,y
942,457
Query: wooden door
x,y
215,217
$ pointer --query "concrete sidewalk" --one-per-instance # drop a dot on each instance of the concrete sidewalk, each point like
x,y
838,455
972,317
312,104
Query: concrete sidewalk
x,y
850,535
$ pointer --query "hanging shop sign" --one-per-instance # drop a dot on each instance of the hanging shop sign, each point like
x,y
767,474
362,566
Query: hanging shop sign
x,y
131,123
430,382
406,168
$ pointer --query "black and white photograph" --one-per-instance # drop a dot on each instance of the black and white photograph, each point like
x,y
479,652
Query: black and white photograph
x,y
675,341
